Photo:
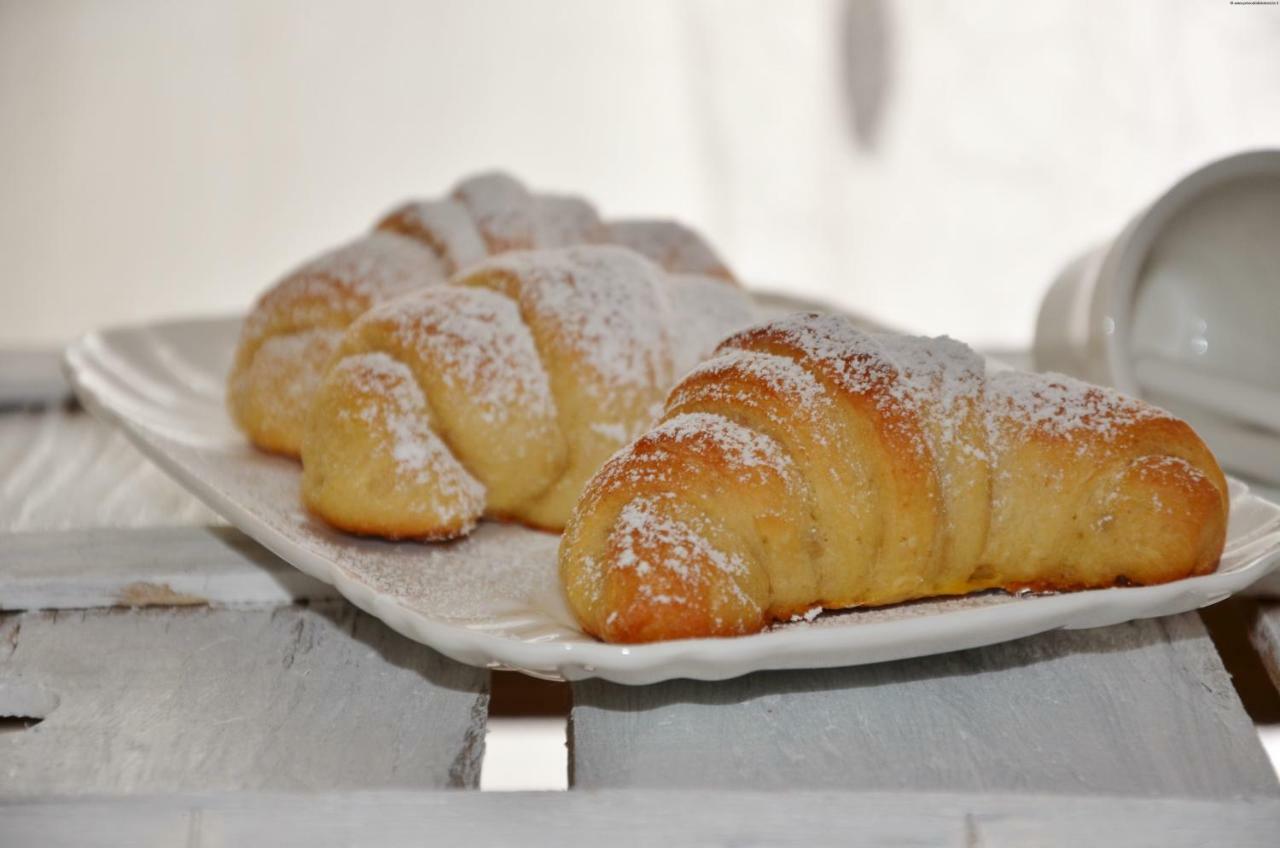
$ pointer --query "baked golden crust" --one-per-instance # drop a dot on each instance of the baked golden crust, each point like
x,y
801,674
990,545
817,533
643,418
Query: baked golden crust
x,y
810,465
498,394
671,244
443,226
290,334
293,329
364,469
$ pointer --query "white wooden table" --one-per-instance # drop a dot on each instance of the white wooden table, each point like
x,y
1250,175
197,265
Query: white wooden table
x,y
192,689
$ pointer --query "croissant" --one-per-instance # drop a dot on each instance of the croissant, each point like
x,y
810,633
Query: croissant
x,y
290,334
808,465
501,393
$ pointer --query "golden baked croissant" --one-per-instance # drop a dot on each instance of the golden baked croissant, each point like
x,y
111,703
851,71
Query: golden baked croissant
x,y
810,465
502,392
290,334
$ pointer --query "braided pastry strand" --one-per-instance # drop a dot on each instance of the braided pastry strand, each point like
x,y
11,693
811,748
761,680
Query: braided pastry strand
x,y
498,394
808,465
289,336
669,243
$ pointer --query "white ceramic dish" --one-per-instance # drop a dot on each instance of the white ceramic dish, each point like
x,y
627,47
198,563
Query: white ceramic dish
x,y
1180,309
493,599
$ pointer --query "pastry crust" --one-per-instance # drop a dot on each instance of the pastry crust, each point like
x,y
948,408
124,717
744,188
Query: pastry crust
x,y
808,464
290,335
294,327
501,393
669,243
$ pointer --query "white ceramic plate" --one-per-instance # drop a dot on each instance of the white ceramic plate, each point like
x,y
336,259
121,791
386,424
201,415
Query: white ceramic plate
x,y
493,599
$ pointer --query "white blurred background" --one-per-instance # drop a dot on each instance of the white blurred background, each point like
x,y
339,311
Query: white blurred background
x,y
932,164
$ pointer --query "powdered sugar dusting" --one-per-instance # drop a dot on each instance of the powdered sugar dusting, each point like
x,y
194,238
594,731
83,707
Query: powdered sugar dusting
x,y
1061,407
613,430
929,380
1175,464
864,616
291,364
669,243
781,375
476,341
389,395
743,447
808,615
859,365
609,306
379,265
499,573
935,378
853,357
502,209
491,213
350,278
444,225
940,378
562,220
643,529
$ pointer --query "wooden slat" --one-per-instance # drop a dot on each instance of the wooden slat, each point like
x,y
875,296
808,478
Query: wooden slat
x,y
1265,635
291,698
78,569
1144,708
62,470
639,818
